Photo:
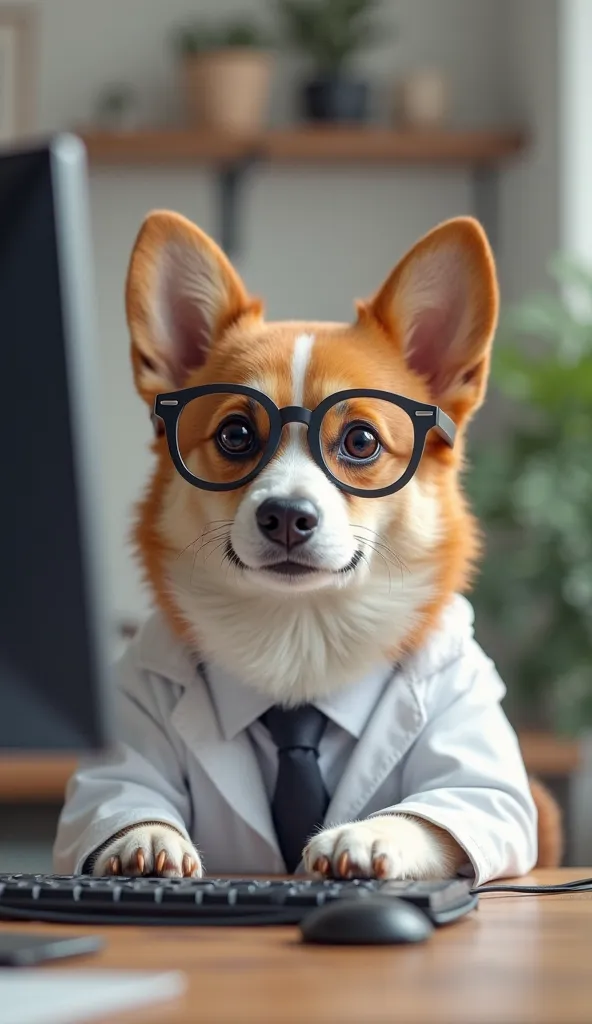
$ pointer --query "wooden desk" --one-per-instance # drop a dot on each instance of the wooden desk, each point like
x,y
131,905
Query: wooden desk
x,y
517,960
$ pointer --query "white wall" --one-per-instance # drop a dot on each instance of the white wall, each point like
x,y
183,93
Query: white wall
x,y
314,240
576,135
530,189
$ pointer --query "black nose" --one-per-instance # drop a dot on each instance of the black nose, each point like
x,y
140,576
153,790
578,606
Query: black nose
x,y
287,521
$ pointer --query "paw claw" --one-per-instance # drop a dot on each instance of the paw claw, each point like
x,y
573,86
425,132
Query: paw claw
x,y
188,865
343,865
115,866
380,866
161,861
322,866
140,861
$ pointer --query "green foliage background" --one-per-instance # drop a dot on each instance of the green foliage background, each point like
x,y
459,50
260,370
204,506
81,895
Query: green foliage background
x,y
532,489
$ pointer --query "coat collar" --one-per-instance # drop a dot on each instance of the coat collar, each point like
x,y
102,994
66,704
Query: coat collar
x,y
238,706
158,650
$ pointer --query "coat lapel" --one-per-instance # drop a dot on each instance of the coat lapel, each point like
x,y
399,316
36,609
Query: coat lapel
x,y
230,764
390,732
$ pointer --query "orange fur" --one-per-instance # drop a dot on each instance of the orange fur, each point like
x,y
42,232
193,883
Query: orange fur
x,y
376,351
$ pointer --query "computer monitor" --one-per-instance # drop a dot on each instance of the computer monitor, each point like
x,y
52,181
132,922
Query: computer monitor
x,y
54,687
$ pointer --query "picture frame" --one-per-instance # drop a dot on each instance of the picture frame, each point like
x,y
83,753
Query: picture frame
x,y
17,71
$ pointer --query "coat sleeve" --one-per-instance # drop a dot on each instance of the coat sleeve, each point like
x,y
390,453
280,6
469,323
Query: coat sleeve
x,y
141,780
465,772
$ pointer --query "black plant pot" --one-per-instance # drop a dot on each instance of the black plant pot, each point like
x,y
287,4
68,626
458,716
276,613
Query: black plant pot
x,y
335,99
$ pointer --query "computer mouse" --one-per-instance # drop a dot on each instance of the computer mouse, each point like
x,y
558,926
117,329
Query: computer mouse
x,y
375,921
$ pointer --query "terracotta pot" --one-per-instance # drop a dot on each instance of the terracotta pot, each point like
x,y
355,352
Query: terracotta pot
x,y
228,90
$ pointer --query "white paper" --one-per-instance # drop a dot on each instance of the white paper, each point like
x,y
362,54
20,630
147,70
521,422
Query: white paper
x,y
72,997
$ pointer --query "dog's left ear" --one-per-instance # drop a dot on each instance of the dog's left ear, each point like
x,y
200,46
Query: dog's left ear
x,y
440,304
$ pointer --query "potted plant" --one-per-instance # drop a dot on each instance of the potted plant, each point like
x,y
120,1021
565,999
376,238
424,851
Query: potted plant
x,y
227,75
331,33
532,489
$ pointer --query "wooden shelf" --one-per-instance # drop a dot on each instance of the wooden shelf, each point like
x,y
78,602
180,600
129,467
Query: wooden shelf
x,y
42,779
385,146
305,145
480,152
162,147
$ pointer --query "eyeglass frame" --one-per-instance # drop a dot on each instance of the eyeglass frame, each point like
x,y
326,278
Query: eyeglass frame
x,y
169,406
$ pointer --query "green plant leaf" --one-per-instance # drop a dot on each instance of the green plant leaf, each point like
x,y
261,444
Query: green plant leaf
x,y
201,37
532,489
330,32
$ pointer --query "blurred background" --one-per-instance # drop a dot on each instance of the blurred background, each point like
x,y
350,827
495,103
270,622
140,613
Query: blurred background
x,y
317,139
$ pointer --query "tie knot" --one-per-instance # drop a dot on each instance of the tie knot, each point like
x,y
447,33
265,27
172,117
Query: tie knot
x,y
295,728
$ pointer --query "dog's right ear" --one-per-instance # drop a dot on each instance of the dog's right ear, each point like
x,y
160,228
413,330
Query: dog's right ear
x,y
181,293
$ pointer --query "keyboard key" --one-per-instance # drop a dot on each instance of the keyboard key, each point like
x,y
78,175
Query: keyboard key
x,y
180,897
143,895
58,893
219,897
21,892
304,898
98,894
260,898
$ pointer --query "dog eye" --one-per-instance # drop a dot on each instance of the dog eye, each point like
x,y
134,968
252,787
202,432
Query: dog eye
x,y
236,436
360,443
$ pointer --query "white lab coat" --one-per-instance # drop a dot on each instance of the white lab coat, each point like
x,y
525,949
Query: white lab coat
x,y
437,745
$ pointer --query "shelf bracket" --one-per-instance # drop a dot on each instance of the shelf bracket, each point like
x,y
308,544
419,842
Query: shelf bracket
x,y
231,178
486,200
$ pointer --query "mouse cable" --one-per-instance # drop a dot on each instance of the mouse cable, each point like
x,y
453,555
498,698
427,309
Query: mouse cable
x,y
578,885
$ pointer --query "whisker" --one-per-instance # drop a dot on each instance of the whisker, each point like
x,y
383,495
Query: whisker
x,y
212,540
380,555
218,542
208,528
195,553
377,540
222,543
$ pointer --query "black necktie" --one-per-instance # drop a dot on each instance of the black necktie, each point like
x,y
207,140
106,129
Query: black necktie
x,y
300,799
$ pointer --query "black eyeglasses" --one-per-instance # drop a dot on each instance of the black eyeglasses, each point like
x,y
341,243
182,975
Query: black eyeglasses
x,y
369,443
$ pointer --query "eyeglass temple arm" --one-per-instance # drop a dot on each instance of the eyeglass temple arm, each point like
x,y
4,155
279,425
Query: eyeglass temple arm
x,y
157,421
445,427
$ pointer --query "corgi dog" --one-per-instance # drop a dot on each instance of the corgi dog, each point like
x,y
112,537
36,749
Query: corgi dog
x,y
305,519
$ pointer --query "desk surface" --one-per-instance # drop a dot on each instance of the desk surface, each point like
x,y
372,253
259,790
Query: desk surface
x,y
518,959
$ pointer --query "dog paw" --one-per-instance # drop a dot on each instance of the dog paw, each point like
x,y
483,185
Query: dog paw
x,y
391,846
150,850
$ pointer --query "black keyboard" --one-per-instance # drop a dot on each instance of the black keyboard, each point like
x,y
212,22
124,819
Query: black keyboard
x,y
84,899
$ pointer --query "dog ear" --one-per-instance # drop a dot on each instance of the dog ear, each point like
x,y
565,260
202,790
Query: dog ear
x,y
181,294
441,305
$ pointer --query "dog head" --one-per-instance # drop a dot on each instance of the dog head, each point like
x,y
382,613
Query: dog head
x,y
292,552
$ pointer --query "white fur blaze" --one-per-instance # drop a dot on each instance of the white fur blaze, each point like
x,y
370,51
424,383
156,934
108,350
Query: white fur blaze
x,y
300,360
391,846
